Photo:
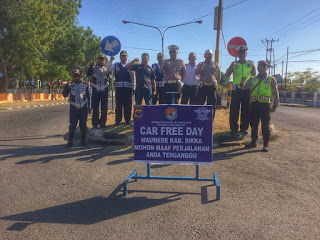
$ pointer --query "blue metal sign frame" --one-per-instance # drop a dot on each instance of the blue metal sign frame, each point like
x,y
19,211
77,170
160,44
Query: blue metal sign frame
x,y
134,175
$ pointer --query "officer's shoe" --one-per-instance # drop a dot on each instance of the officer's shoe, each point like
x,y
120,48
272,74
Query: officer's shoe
x,y
265,148
69,145
117,124
129,123
83,143
252,144
103,126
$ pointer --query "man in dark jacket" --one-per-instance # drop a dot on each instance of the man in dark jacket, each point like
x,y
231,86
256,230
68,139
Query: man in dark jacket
x,y
99,83
79,100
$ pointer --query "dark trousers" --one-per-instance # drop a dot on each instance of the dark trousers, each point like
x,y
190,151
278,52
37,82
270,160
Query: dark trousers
x,y
239,97
172,87
189,93
209,94
99,98
259,111
143,93
76,115
123,101
159,96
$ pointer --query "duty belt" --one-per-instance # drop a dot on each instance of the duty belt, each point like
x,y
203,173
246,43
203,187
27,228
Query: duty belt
x,y
123,84
160,83
207,84
235,86
77,105
172,81
99,88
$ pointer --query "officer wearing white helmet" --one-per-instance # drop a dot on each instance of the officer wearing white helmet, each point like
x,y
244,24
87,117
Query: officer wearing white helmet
x,y
209,76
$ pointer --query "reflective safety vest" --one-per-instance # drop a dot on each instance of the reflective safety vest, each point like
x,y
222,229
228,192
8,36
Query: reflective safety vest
x,y
241,70
263,91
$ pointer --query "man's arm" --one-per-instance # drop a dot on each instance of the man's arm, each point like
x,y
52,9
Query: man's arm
x,y
66,91
153,82
229,70
183,70
90,69
111,67
253,70
164,66
89,99
275,91
246,85
199,68
218,73
130,65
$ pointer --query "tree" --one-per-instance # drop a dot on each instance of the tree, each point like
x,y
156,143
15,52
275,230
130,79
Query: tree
x,y
307,80
27,30
76,49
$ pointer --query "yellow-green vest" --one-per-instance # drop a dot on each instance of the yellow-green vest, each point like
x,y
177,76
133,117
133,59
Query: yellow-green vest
x,y
241,70
263,91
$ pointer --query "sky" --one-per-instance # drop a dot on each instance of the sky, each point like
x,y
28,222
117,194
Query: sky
x,y
295,23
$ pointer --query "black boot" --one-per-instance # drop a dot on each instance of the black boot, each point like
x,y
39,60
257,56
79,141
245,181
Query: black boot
x,y
70,140
83,137
265,147
252,144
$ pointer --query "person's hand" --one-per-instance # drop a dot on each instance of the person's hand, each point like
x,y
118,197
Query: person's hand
x,y
154,92
68,83
136,60
133,91
167,64
89,111
272,109
112,58
93,64
234,64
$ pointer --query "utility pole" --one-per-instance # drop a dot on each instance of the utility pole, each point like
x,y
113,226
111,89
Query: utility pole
x,y
285,82
216,54
282,76
269,42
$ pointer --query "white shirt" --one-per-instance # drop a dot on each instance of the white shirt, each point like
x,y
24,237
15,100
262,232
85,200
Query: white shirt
x,y
191,78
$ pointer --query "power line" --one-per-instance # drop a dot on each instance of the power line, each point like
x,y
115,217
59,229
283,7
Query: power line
x,y
285,33
290,24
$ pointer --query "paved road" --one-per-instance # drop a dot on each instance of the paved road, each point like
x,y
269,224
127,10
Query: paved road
x,y
48,192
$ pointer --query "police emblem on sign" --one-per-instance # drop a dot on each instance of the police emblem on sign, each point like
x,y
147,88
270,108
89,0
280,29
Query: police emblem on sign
x,y
202,113
138,113
171,113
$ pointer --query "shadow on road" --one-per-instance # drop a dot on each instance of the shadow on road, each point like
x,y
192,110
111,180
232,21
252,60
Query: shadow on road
x,y
88,211
46,154
232,153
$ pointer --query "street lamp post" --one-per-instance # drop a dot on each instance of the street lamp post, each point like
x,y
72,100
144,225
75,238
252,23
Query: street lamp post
x,y
162,33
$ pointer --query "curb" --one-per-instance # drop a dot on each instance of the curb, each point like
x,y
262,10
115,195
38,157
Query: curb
x,y
33,106
293,105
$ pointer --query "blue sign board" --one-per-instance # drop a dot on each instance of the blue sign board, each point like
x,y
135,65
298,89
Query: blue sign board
x,y
173,134
110,45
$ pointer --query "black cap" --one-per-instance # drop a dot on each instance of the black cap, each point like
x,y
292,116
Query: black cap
x,y
263,62
123,53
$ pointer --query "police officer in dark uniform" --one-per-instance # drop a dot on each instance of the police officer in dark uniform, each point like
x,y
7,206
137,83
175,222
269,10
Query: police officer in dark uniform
x,y
242,70
160,94
261,87
99,83
79,106
124,87
145,80
174,70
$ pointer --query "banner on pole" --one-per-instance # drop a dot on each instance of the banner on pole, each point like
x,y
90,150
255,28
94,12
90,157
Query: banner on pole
x,y
173,134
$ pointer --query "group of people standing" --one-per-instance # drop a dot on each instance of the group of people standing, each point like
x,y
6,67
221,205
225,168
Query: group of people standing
x,y
169,80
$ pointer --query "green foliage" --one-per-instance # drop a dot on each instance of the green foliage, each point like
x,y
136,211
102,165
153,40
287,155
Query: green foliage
x,y
40,38
308,81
